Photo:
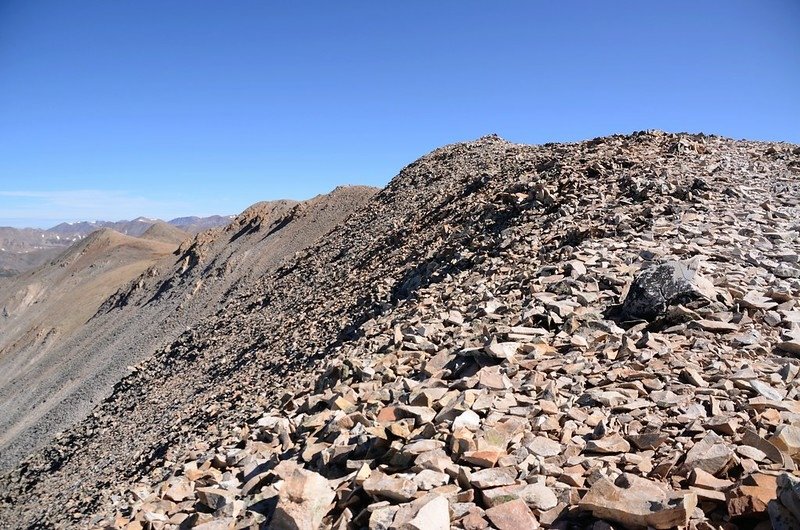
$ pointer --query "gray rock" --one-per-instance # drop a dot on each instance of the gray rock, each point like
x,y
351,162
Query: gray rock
x,y
657,288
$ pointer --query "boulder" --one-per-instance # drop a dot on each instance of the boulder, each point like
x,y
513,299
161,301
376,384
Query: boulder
x,y
657,288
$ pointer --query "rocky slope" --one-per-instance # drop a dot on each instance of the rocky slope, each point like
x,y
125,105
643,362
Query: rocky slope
x,y
43,308
475,346
54,384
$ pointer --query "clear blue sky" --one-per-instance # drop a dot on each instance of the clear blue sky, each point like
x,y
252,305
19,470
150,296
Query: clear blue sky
x,y
118,108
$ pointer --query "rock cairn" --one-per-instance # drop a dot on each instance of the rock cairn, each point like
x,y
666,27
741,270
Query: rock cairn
x,y
619,351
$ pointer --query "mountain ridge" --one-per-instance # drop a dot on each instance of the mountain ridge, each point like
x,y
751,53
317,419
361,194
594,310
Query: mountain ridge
x,y
485,271
23,249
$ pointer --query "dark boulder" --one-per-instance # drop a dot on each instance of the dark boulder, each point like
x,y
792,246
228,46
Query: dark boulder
x,y
657,288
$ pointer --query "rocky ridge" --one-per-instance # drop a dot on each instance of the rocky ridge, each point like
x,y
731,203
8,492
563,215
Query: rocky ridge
x,y
525,336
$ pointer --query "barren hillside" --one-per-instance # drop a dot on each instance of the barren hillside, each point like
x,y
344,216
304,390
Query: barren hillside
x,y
56,379
506,336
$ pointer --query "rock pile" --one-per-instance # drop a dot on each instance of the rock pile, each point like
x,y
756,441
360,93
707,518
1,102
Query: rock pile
x,y
600,335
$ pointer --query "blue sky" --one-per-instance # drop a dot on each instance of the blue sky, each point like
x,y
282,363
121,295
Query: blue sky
x,y
115,109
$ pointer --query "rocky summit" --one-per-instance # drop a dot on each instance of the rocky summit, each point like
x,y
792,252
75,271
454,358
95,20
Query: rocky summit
x,y
594,335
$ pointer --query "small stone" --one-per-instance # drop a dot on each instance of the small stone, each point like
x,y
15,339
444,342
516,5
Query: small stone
x,y
647,441
467,420
427,479
474,521
715,326
704,480
382,515
693,377
502,350
752,453
486,458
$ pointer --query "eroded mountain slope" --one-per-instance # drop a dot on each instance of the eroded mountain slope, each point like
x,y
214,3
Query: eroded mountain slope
x,y
49,386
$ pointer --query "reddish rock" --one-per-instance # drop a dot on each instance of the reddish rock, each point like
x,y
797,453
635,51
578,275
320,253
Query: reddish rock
x,y
512,515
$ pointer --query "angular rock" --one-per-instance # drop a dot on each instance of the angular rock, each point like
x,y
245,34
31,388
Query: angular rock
x,y
543,446
303,501
638,503
614,443
493,477
536,495
711,454
383,486
751,497
512,515
787,439
434,515
213,497
656,288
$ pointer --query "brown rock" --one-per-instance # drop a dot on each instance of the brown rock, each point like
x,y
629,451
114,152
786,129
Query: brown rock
x,y
701,479
483,458
613,443
383,486
474,521
751,497
512,515
638,502
787,439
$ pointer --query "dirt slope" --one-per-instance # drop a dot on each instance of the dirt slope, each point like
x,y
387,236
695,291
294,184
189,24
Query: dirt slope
x,y
519,241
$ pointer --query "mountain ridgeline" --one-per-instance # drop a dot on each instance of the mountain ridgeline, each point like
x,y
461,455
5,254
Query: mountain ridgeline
x,y
459,349
24,249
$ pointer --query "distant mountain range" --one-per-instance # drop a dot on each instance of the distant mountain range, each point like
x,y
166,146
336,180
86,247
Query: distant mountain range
x,y
23,249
